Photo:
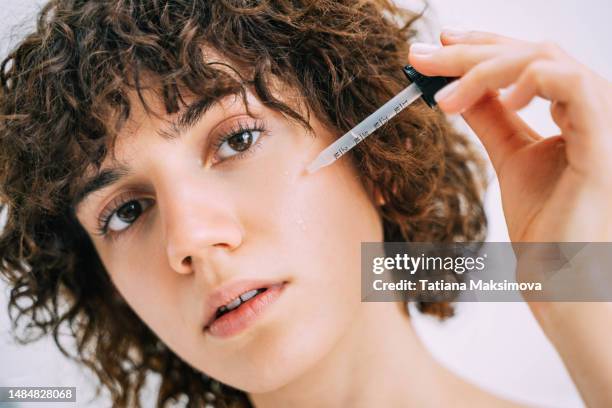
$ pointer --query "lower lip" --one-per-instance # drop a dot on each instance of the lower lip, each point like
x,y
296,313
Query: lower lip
x,y
239,319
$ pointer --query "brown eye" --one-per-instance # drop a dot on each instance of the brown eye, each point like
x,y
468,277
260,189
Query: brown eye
x,y
127,214
130,211
241,141
237,143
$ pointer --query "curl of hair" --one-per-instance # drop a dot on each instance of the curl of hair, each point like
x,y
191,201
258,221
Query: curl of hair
x,y
64,97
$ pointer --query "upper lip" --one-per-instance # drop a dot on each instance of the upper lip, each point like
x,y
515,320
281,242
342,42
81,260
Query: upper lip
x,y
230,291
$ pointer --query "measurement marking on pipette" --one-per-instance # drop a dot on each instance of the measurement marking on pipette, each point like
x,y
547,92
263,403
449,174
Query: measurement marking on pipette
x,y
341,151
400,106
381,121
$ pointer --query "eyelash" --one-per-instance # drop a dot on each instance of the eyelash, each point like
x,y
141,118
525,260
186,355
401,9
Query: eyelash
x,y
237,128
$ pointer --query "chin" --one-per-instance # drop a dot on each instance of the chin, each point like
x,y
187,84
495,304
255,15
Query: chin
x,y
271,376
293,352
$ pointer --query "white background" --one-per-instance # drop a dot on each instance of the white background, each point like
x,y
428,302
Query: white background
x,y
496,345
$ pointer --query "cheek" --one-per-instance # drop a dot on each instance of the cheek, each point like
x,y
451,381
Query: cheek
x,y
337,216
151,291
277,196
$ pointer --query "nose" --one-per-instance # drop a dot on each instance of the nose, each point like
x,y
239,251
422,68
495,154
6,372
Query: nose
x,y
199,223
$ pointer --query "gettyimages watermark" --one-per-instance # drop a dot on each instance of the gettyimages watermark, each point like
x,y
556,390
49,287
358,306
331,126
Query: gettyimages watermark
x,y
486,271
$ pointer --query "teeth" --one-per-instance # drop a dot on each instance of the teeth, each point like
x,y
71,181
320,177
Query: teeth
x,y
240,299
246,296
233,304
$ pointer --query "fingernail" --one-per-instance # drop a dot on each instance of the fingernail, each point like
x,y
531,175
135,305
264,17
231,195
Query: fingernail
x,y
453,32
447,91
423,48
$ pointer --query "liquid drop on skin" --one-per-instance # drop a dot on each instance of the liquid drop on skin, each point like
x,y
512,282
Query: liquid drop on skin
x,y
301,223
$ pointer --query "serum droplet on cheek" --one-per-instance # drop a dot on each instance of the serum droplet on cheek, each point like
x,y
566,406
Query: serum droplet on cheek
x,y
301,223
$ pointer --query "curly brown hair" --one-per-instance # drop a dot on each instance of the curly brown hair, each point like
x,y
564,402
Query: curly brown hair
x,y
64,97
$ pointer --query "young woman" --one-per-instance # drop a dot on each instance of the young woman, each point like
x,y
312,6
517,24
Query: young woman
x,y
153,158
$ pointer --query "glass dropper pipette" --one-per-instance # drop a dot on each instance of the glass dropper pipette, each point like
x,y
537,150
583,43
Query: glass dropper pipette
x,y
421,86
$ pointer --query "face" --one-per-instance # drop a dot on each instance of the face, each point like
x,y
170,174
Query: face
x,y
199,211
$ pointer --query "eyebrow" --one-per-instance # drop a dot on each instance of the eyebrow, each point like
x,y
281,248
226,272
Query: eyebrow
x,y
185,121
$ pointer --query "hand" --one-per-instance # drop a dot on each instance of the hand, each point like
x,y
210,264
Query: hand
x,y
553,189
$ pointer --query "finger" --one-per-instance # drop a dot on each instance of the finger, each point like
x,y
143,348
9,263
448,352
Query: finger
x,y
566,84
491,75
501,131
455,36
453,60
547,79
558,111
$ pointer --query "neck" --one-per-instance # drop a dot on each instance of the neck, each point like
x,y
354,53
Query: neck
x,y
379,361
